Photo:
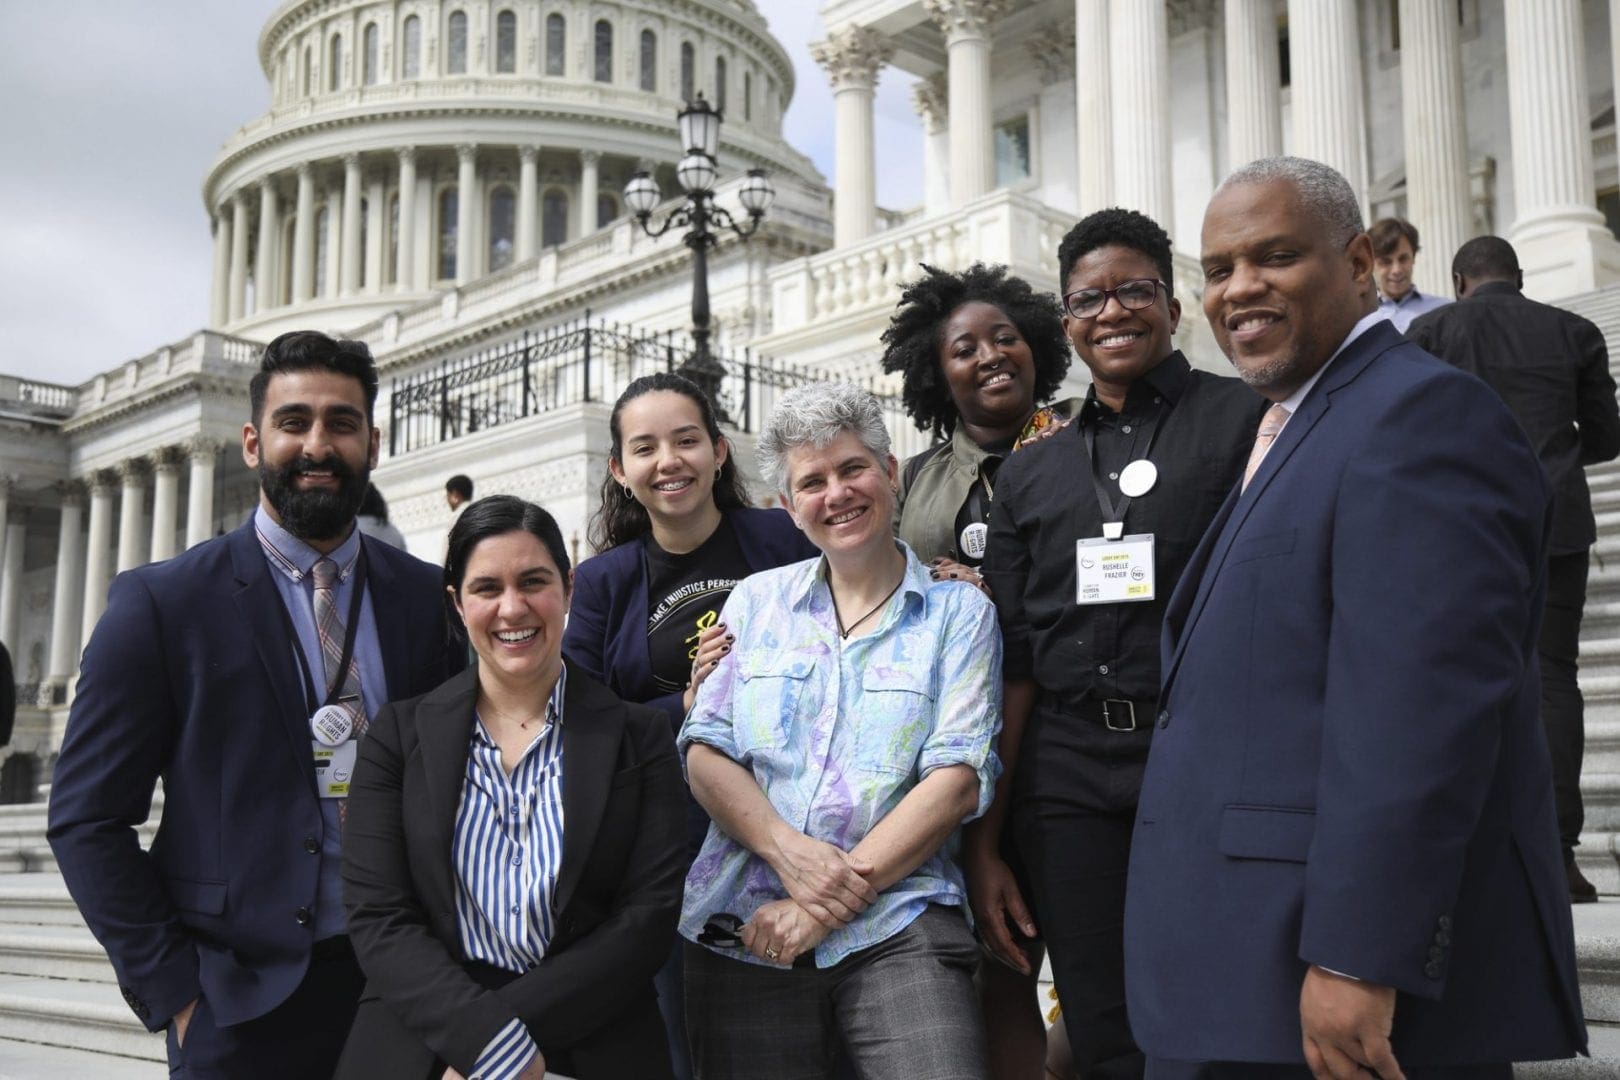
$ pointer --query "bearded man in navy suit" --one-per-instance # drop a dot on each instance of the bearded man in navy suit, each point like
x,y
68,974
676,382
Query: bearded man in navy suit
x,y
1345,861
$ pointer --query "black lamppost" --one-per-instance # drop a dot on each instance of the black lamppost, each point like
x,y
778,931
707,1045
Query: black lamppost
x,y
697,173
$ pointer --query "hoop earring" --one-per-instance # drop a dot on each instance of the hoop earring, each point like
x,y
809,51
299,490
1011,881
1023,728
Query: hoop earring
x,y
717,472
629,494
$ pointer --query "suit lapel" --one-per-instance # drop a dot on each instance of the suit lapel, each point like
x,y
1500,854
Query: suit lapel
x,y
444,720
592,727
1189,587
393,621
261,611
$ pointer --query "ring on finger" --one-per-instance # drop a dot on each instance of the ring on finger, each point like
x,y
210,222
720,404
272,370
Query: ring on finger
x,y
772,953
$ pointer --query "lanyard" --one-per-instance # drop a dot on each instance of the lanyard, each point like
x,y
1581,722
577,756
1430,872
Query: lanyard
x,y
1113,514
351,633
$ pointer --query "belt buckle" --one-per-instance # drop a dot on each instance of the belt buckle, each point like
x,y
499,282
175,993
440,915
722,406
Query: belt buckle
x,y
1127,721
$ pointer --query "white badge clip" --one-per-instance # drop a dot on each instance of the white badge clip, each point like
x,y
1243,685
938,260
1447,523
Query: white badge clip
x,y
1112,530
1138,478
332,725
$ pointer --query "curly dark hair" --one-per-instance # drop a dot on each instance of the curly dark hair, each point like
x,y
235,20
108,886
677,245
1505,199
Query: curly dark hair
x,y
912,339
1127,228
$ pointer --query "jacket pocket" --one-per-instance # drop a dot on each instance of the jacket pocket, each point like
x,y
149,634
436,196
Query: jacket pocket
x,y
1281,833
202,897
1264,546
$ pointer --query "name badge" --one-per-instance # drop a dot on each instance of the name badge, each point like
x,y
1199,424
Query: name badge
x,y
334,768
1113,571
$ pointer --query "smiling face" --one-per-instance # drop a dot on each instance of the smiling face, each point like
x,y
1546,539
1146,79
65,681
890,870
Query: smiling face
x,y
1393,272
314,452
843,497
669,461
1117,344
513,602
1281,291
989,368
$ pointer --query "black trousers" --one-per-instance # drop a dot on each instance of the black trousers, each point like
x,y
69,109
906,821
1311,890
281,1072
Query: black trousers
x,y
1562,708
302,1037
1159,1069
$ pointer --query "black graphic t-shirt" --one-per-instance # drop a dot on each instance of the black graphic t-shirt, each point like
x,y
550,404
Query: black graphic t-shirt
x,y
684,596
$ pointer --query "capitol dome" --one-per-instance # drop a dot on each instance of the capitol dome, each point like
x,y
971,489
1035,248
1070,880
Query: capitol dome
x,y
347,199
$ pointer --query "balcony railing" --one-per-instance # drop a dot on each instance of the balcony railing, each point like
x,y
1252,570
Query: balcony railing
x,y
577,362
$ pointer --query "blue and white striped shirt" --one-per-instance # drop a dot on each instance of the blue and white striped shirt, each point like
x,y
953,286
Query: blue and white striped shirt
x,y
507,848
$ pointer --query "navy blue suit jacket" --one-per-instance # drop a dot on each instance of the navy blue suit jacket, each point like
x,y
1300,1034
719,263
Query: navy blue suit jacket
x,y
190,676
1349,769
607,618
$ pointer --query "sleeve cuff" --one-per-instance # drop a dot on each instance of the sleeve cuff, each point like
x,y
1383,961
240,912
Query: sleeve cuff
x,y
507,1054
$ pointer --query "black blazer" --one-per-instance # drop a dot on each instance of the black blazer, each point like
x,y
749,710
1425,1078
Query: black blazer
x,y
590,1004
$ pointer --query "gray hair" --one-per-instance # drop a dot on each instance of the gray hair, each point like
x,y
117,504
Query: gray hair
x,y
1322,188
815,414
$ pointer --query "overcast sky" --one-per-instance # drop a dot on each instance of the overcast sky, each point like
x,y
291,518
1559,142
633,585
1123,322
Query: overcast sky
x,y
114,109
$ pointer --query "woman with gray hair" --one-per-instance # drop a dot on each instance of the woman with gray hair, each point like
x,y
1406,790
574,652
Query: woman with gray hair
x,y
838,747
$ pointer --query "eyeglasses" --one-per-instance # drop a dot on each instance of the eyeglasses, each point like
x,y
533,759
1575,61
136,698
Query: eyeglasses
x,y
1132,296
722,931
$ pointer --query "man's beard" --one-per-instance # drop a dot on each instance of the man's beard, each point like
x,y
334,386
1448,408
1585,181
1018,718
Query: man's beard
x,y
315,513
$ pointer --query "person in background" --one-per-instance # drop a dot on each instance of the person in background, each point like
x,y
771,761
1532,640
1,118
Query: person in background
x,y
675,534
373,519
839,747
458,492
977,352
514,844
1395,249
1551,367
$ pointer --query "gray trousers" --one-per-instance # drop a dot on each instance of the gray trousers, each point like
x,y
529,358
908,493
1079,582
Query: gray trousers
x,y
903,1009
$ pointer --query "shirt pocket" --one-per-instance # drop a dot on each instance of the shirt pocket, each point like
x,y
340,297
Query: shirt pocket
x,y
894,718
770,691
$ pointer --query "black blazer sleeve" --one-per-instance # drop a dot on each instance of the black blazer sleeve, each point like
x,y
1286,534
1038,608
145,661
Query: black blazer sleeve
x,y
1596,410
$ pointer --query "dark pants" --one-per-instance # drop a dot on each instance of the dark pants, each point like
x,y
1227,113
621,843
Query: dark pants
x,y
904,1007
302,1037
1076,848
1160,1069
1562,708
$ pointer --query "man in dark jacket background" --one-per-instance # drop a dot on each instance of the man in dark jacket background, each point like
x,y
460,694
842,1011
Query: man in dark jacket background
x,y
1551,367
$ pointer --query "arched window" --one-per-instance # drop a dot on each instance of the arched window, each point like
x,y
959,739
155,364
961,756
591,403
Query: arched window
x,y
607,208
554,218
649,61
334,69
323,219
556,43
455,49
720,83
604,51
748,95
412,49
370,70
391,271
506,43
449,207
688,70
309,70
502,227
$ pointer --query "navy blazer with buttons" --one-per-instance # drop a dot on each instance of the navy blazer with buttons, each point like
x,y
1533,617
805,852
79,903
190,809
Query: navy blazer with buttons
x,y
190,676
1350,769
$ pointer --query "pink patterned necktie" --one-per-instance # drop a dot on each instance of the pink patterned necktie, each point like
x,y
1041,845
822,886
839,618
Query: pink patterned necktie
x,y
1270,425
329,630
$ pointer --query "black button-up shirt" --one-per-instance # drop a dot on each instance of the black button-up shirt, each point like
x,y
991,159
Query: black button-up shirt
x,y
1045,501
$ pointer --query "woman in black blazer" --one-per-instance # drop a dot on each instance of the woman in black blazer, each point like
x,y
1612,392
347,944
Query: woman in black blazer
x,y
513,844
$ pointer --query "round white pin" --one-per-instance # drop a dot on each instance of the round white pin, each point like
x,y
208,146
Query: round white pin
x,y
332,725
972,540
1138,478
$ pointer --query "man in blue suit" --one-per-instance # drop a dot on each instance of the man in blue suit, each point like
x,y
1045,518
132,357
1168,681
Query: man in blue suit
x,y
208,671
1345,861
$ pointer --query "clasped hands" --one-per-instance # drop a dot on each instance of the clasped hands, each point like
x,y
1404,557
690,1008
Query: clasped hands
x,y
827,888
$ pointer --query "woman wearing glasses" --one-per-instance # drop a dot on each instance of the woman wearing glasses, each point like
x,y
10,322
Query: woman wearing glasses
x,y
1137,476
838,747
977,352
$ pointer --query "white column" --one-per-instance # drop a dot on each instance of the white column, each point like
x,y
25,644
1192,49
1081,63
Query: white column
x,y
1437,197
528,198
466,196
219,304
303,268
67,601
929,97
98,551
1563,245
132,527
1140,29
1253,82
11,581
967,45
333,198
852,58
376,199
349,258
1094,122
264,268
1324,42
239,250
165,503
405,274
200,504
589,177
